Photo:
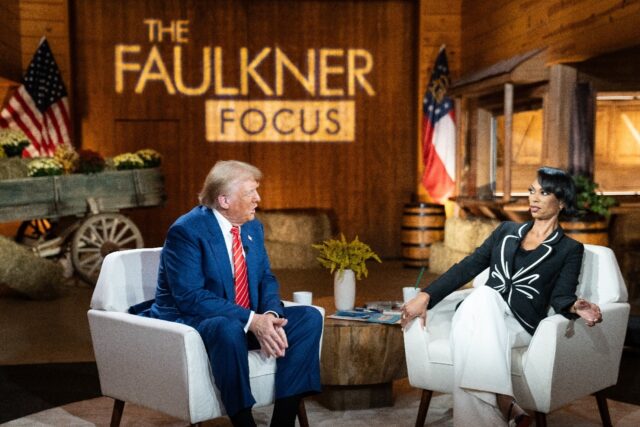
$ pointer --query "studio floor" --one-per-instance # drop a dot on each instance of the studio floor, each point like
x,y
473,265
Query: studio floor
x,y
48,378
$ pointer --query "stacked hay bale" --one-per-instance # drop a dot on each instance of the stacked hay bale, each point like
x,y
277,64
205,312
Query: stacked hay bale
x,y
13,168
27,274
461,237
289,234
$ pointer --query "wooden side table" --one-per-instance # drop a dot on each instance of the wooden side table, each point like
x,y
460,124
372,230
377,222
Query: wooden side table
x,y
359,362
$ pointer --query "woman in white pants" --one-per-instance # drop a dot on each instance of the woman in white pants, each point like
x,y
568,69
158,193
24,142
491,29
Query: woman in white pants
x,y
532,266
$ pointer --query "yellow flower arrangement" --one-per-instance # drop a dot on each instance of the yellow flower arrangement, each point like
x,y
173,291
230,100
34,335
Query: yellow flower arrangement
x,y
68,158
343,255
128,161
12,142
150,157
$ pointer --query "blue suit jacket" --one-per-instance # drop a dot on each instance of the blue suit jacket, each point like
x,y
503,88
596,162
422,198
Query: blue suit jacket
x,y
195,279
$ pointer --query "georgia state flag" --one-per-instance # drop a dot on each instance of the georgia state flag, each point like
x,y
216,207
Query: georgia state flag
x,y
439,130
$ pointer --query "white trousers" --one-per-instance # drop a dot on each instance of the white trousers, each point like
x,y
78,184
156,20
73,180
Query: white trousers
x,y
483,332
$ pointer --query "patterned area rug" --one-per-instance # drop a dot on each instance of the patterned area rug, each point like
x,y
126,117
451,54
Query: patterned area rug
x,y
97,412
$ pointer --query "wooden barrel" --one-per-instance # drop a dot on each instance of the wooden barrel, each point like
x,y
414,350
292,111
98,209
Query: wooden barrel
x,y
422,224
588,232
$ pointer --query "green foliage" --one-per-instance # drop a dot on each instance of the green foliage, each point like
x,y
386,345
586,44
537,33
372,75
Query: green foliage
x,y
589,200
342,255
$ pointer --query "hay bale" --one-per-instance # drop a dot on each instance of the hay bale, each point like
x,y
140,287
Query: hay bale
x,y
13,168
295,226
291,255
466,234
443,257
24,272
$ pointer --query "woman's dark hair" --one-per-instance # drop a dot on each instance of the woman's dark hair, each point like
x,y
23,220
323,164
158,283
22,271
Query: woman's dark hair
x,y
560,184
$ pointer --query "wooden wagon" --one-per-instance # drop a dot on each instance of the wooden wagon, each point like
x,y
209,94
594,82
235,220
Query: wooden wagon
x,y
94,200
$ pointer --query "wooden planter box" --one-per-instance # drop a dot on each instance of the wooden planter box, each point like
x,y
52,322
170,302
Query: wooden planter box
x,y
57,196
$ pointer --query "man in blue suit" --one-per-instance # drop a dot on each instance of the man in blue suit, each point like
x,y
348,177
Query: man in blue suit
x,y
222,285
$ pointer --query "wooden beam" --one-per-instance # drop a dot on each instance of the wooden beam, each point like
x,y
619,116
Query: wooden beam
x,y
462,117
522,69
483,154
557,115
508,128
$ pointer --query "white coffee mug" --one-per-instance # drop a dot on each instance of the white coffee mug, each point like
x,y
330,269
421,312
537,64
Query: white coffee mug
x,y
409,292
302,297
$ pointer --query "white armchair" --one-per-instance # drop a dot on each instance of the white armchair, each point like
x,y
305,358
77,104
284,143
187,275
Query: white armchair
x,y
154,363
565,360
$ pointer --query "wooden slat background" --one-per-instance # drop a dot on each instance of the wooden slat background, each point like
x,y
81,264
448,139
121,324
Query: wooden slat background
x,y
365,183
48,18
572,30
371,179
22,25
10,66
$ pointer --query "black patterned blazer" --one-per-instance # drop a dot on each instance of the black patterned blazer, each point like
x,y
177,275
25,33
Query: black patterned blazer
x,y
548,275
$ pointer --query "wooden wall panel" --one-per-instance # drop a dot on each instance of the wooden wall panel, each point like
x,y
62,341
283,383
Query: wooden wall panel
x,y
9,41
133,135
48,18
617,149
365,182
614,72
440,24
572,31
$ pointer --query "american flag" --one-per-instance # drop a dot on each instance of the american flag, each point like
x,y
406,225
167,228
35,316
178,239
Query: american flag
x,y
40,107
439,134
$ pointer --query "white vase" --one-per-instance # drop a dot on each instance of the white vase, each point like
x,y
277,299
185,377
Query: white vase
x,y
344,289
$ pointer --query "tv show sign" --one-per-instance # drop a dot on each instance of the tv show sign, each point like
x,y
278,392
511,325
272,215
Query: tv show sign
x,y
330,80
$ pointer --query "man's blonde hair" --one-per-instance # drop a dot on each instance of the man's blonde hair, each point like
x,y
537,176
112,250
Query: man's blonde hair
x,y
222,177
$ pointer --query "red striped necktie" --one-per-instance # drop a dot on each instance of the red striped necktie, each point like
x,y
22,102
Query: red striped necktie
x,y
240,269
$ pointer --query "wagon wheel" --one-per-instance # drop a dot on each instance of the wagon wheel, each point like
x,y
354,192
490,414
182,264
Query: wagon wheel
x,y
97,237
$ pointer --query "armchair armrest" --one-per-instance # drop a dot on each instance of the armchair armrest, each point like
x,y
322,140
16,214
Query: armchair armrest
x,y
439,317
567,360
320,309
424,372
416,354
291,304
153,363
